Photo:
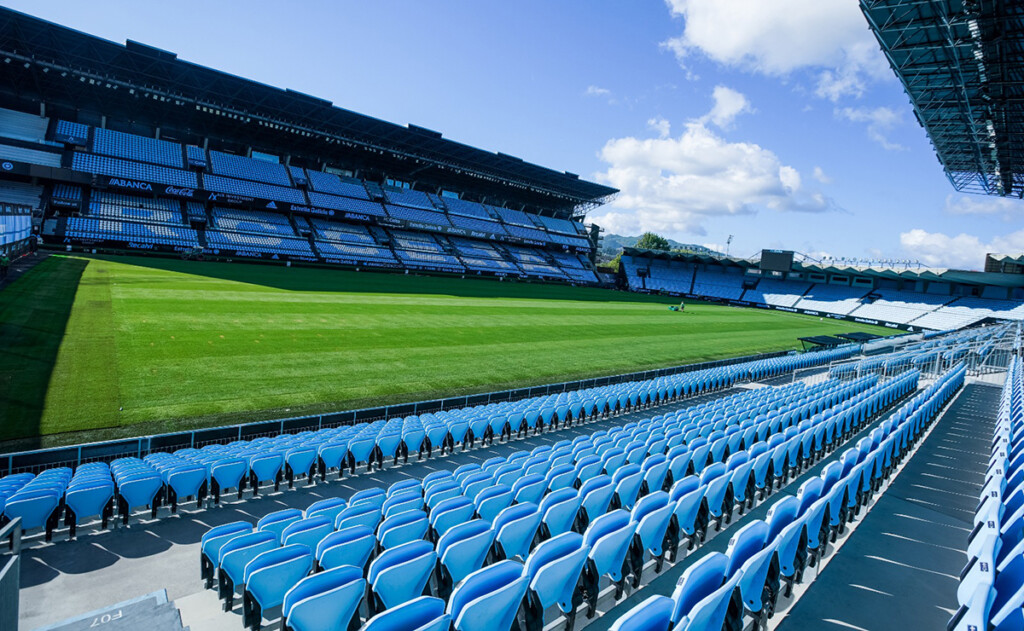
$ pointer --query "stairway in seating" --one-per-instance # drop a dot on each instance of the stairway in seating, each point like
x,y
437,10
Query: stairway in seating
x,y
152,612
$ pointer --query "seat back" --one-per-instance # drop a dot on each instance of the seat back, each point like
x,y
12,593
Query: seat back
x,y
488,599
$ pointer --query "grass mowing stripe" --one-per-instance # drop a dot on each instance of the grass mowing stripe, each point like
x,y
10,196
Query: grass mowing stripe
x,y
185,344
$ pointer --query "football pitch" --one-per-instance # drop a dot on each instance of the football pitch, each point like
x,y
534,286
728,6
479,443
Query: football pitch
x,y
112,347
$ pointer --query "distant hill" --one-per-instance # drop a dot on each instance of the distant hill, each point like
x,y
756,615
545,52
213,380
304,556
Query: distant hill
x,y
612,243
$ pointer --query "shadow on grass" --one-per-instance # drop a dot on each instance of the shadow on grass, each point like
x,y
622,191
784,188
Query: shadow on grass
x,y
308,279
34,312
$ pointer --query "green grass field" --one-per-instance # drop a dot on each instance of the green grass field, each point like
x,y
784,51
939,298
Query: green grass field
x,y
108,347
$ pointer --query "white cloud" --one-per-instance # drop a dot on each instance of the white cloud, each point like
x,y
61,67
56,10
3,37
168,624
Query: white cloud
x,y
880,122
1009,209
674,184
963,251
593,90
660,126
728,105
828,38
819,174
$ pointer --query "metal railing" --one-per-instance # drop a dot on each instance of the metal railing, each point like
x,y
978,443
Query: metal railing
x,y
37,460
10,574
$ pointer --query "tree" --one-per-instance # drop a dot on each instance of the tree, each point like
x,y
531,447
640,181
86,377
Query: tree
x,y
651,241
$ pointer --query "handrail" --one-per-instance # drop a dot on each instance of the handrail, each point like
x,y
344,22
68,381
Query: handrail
x,y
12,531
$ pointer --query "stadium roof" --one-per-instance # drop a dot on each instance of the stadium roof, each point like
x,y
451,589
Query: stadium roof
x,y
962,64
53,63
927,274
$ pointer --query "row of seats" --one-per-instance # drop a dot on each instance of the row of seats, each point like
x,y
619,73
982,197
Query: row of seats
x,y
167,479
527,506
727,591
991,590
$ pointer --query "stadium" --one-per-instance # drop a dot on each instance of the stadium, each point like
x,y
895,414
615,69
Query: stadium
x,y
270,363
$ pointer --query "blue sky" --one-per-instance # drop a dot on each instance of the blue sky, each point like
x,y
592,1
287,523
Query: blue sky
x,y
776,121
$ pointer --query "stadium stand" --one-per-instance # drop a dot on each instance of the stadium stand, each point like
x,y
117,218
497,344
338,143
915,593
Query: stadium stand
x,y
22,126
89,229
330,183
990,594
417,214
832,298
249,169
139,148
716,283
776,292
252,221
634,503
131,208
114,167
250,188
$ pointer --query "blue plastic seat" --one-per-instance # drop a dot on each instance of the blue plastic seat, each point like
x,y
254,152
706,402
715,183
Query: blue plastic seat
x,y
462,551
234,555
352,545
425,613
277,521
554,569
327,601
720,608
449,513
627,481
491,501
374,496
401,502
596,495
698,582
402,528
746,542
366,514
559,511
211,543
400,574
269,576
529,488
488,599
760,579
652,515
652,614
330,508
609,537
515,528
307,532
